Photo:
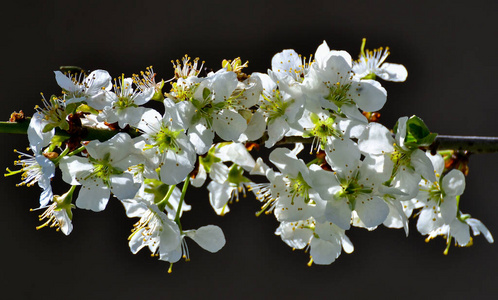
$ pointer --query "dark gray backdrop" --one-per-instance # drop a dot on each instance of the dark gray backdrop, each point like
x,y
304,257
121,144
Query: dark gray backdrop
x,y
448,47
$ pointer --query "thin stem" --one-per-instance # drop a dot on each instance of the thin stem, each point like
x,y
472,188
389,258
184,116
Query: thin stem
x,y
90,133
473,144
77,151
14,127
182,197
162,204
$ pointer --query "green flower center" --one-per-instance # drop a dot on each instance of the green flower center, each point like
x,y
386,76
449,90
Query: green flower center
x,y
275,107
165,139
299,187
339,94
103,169
351,189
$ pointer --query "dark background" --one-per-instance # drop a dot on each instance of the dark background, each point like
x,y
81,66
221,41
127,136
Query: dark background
x,y
448,47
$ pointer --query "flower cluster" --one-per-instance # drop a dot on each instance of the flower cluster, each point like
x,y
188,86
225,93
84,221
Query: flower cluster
x,y
108,141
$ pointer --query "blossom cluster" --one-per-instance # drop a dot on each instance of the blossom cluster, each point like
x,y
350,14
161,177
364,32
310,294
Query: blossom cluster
x,y
207,132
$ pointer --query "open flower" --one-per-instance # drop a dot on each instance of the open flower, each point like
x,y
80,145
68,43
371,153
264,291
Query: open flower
x,y
105,170
280,109
372,63
124,101
209,111
165,144
59,214
438,199
36,169
325,240
331,84
81,88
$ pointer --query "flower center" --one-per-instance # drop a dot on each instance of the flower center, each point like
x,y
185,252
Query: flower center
x,y
351,189
339,93
165,139
275,107
299,187
103,169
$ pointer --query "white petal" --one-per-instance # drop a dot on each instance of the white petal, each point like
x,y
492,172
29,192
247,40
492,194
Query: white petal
x,y
285,63
339,213
287,162
448,208
478,227
170,235
324,252
372,211
64,222
200,177
123,187
437,161
423,165
407,181
294,235
134,208
210,237
324,182
376,139
322,52
219,172
276,131
150,121
136,242
255,128
37,138
65,82
93,195
369,95
352,111
219,194
176,166
201,137
73,167
460,232
347,246
454,183
428,219
393,72
396,217
238,154
343,155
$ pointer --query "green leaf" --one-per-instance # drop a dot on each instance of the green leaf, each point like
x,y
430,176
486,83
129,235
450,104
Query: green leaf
x,y
208,160
156,187
417,133
57,140
86,108
158,94
48,127
205,93
314,118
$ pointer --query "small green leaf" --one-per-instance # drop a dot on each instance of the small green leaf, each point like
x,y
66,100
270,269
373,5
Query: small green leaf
x,y
417,133
156,187
205,93
158,94
48,127
57,140
314,118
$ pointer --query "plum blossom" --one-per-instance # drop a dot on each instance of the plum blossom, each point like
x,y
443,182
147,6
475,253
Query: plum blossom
x,y
165,144
331,84
372,63
85,88
103,171
325,240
